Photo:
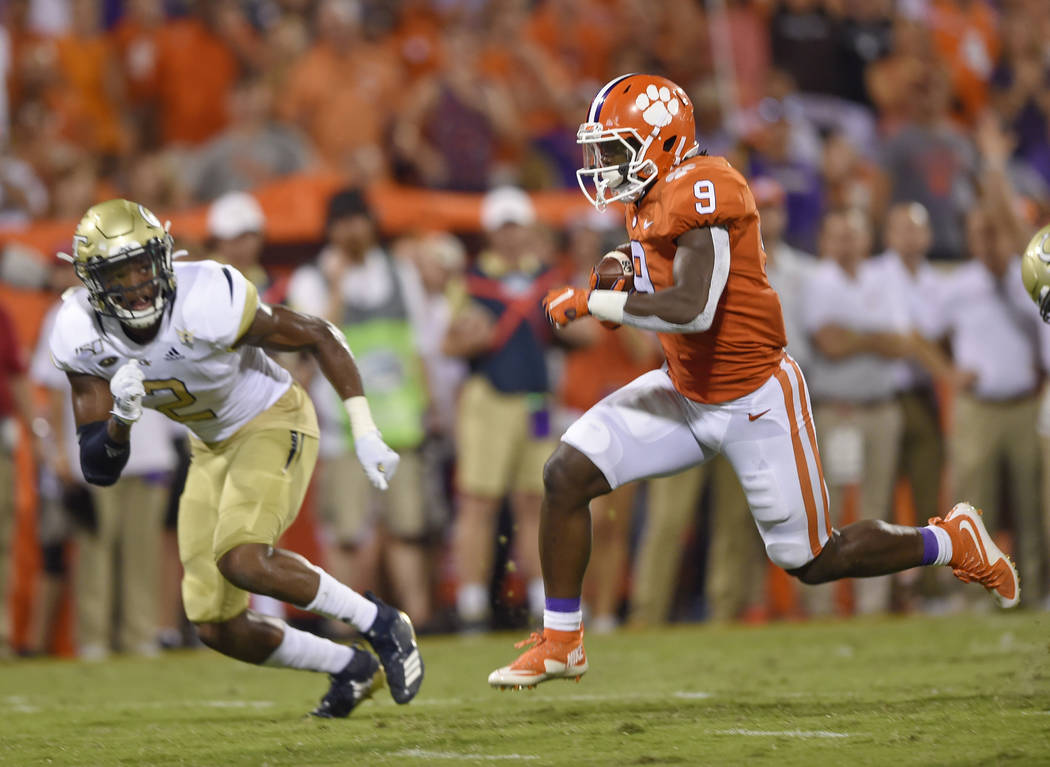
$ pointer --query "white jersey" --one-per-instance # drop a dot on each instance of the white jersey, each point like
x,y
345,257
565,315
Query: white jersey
x,y
193,374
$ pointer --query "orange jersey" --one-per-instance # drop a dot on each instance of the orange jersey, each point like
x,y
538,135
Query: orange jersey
x,y
745,342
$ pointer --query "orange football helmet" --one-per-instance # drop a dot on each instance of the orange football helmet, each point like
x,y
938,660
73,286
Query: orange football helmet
x,y
638,127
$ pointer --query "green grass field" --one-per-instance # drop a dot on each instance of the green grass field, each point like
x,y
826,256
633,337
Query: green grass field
x,y
951,691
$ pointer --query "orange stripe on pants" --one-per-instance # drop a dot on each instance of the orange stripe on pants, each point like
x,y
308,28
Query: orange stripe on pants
x,y
808,420
804,481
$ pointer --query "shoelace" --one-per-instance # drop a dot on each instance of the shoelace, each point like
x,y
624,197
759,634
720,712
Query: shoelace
x,y
535,639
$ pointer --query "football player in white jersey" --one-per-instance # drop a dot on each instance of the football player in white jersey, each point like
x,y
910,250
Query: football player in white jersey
x,y
188,339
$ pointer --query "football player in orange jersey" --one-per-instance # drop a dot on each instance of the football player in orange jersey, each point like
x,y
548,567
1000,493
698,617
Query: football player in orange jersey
x,y
728,385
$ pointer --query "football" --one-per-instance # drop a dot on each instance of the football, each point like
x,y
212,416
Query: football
x,y
612,267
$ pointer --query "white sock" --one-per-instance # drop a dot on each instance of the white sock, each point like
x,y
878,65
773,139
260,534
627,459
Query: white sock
x,y
537,596
563,621
306,651
472,601
339,601
944,545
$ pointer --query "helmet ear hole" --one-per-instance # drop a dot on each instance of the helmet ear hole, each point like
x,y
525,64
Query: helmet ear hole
x,y
669,143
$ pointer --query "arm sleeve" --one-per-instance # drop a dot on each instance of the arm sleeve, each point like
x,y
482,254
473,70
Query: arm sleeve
x,y
101,459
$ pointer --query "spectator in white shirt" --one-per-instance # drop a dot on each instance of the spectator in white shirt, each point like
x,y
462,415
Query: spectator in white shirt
x,y
857,330
993,328
907,276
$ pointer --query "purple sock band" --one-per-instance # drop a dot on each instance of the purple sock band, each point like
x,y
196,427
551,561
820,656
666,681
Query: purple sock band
x,y
563,605
930,547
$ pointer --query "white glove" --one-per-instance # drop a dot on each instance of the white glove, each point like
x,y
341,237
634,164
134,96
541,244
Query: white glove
x,y
128,391
377,459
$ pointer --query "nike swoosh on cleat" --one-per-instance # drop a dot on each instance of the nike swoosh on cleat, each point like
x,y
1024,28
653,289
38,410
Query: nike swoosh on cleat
x,y
755,417
967,525
553,666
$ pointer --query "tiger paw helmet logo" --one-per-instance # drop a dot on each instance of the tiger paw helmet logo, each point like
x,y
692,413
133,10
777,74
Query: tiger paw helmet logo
x,y
658,105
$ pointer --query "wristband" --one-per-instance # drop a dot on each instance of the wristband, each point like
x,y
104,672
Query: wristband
x,y
607,305
360,414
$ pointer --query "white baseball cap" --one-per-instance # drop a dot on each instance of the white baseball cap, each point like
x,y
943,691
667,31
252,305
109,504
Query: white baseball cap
x,y
234,214
506,205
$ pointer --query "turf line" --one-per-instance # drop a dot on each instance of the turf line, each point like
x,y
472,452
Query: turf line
x,y
419,753
783,733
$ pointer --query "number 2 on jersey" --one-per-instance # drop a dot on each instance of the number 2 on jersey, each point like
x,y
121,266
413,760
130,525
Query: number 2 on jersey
x,y
182,399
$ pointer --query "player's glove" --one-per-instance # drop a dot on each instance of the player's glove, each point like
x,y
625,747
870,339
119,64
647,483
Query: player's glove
x,y
563,305
377,459
128,391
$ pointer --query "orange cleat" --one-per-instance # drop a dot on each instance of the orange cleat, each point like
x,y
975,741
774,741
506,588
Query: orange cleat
x,y
553,655
975,557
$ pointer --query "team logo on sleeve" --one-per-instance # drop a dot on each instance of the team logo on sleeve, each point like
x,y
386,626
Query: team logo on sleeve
x,y
678,172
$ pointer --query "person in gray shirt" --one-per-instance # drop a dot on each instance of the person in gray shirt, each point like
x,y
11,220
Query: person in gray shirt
x,y
254,149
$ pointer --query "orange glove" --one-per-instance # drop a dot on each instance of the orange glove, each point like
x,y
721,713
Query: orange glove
x,y
563,305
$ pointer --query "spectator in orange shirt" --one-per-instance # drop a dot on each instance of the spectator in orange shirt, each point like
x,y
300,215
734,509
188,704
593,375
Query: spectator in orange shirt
x,y
965,34
89,89
578,34
344,92
539,87
135,37
196,70
454,121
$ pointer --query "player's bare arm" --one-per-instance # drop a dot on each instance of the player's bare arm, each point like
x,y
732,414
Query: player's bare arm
x,y
279,329
688,306
92,402
689,297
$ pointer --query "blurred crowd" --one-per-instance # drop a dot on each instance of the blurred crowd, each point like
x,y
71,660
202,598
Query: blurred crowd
x,y
899,152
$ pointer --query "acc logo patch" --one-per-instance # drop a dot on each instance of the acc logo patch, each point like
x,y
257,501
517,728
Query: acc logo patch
x,y
107,361
94,347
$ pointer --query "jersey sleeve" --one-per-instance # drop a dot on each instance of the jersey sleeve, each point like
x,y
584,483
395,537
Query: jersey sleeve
x,y
73,330
706,195
221,304
41,368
